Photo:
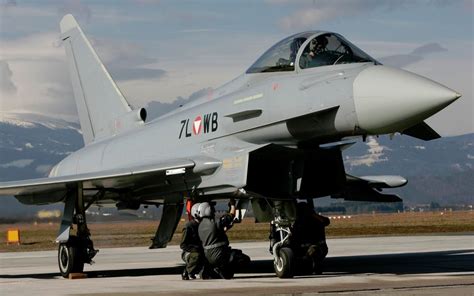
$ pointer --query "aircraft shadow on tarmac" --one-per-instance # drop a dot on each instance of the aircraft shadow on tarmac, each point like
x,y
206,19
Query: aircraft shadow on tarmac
x,y
458,261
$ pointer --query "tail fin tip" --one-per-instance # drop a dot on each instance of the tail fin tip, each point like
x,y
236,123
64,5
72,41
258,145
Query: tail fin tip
x,y
103,110
67,23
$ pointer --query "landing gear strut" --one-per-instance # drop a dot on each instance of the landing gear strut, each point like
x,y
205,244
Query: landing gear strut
x,y
76,250
284,259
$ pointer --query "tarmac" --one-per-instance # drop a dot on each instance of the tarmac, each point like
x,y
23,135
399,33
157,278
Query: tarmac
x,y
421,265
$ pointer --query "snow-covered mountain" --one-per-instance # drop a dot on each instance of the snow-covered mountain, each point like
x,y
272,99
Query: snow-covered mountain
x,y
30,144
441,170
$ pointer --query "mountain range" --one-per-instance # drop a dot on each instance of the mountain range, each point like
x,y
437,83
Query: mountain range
x,y
439,171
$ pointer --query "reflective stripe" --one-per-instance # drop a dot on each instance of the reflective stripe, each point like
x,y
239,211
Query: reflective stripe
x,y
186,256
215,245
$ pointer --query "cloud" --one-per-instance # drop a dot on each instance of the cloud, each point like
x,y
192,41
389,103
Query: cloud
x,y
311,13
147,2
11,9
78,8
306,18
198,30
6,83
43,169
34,75
156,109
39,73
20,163
469,5
125,60
6,4
418,54
428,48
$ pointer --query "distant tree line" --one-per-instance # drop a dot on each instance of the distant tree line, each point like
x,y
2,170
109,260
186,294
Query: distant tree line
x,y
361,207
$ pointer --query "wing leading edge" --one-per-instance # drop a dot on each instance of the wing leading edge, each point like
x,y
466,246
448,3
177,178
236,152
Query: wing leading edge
x,y
119,178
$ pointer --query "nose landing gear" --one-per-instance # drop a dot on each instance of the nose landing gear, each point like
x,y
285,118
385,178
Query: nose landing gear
x,y
284,259
283,256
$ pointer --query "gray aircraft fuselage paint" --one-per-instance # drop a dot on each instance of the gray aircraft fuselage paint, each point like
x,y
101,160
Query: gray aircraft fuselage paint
x,y
322,104
182,132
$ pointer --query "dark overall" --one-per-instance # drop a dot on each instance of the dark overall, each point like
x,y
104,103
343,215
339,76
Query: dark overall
x,y
215,241
192,248
223,260
309,236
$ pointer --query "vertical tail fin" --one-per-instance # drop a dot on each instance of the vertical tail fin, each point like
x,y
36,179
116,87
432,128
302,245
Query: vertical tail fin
x,y
103,110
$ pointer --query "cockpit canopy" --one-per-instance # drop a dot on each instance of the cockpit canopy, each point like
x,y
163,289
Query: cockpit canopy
x,y
314,49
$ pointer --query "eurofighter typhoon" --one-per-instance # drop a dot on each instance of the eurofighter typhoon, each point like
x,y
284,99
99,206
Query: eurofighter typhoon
x,y
271,136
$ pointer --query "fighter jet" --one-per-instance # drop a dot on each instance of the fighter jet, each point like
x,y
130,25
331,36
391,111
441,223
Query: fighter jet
x,y
271,136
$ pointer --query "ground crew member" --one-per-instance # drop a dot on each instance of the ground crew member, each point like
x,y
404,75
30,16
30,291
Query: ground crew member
x,y
191,245
309,234
212,232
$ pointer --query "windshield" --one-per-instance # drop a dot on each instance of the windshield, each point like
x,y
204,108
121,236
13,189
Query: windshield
x,y
281,56
331,49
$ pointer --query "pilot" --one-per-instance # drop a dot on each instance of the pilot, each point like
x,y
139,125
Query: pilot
x,y
311,243
319,45
221,258
316,46
193,253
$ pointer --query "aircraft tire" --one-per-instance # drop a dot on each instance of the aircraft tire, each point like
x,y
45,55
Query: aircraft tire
x,y
284,264
70,258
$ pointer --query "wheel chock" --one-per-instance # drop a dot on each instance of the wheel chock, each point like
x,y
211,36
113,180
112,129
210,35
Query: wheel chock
x,y
77,275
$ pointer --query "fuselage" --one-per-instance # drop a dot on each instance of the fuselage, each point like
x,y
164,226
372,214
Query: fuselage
x,y
318,105
279,97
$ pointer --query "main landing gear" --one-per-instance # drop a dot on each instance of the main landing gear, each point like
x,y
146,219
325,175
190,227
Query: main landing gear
x,y
73,254
74,250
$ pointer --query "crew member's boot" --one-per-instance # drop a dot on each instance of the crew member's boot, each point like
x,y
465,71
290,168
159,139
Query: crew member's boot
x,y
185,275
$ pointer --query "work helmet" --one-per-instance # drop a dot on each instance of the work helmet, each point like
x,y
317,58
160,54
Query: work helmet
x,y
204,210
194,210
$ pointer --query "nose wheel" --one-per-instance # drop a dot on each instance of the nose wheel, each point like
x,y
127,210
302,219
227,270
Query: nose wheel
x,y
284,259
284,263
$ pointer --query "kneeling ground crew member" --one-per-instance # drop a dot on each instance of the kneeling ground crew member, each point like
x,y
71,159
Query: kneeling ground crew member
x,y
191,245
214,239
310,235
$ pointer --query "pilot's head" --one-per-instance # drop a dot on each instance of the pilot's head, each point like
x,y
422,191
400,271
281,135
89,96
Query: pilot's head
x,y
321,43
205,210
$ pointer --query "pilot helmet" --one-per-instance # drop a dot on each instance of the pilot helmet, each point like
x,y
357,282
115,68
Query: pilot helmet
x,y
194,210
205,210
321,42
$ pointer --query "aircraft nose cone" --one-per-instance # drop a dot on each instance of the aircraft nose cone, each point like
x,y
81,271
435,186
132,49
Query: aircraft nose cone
x,y
388,99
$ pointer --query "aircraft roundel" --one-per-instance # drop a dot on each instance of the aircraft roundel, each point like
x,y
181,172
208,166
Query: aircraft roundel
x,y
197,126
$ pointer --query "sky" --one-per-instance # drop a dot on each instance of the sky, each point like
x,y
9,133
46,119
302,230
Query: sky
x,y
159,50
